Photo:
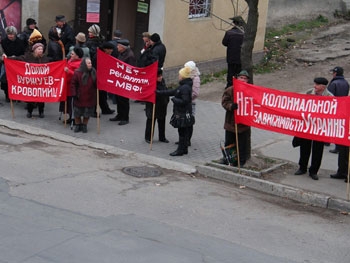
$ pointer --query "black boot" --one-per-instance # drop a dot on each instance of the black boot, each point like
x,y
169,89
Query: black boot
x,y
181,149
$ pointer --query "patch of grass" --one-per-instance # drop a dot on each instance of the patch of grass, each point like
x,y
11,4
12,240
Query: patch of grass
x,y
279,41
207,78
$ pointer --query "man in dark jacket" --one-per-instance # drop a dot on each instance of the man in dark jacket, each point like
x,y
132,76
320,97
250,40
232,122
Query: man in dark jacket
x,y
158,49
339,87
65,32
126,55
233,40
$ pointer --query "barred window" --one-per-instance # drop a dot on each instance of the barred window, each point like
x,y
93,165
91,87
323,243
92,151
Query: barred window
x,y
199,8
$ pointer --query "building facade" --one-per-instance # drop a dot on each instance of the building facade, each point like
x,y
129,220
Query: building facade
x,y
190,29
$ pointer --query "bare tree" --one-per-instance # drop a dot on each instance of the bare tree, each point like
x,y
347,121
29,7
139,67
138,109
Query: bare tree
x,y
249,37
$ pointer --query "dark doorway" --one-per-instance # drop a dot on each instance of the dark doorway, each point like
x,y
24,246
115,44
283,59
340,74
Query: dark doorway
x,y
141,25
106,17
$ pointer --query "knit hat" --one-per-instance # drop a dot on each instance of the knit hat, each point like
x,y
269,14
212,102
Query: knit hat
x,y
37,45
30,21
34,37
123,42
60,18
79,52
95,30
118,33
107,45
192,65
81,37
185,72
243,73
155,37
322,81
338,70
11,30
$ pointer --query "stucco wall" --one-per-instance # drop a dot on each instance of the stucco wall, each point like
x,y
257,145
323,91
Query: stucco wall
x,y
282,12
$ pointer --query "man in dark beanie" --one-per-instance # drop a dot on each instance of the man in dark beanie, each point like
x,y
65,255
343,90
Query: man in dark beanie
x,y
233,41
311,146
339,87
158,49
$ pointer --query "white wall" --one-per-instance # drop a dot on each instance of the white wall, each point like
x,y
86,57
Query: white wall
x,y
156,17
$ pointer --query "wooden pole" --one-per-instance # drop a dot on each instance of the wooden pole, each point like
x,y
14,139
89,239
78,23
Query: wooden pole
x,y
237,147
12,109
98,111
152,129
348,177
65,114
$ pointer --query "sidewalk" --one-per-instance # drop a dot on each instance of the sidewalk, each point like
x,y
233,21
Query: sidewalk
x,y
208,132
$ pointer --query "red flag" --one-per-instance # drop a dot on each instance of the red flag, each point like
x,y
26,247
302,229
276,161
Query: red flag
x,y
36,82
320,118
118,77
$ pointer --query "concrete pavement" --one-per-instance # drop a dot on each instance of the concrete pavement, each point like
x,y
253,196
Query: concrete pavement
x,y
208,132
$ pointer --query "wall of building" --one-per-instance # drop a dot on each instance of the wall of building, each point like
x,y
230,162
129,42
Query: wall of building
x,y
282,12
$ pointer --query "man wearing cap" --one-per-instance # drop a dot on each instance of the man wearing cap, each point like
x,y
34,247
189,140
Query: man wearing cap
x,y
65,32
117,34
339,87
229,126
311,146
126,55
233,41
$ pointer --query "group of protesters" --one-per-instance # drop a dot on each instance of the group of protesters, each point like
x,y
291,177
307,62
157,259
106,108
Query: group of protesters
x,y
83,101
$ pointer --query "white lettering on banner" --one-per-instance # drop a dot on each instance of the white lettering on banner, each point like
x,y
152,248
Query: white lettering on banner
x,y
308,124
48,80
34,92
128,86
245,105
37,70
300,105
127,69
129,78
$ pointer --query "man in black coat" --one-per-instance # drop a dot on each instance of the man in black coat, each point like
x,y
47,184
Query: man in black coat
x,y
233,40
158,49
339,87
65,32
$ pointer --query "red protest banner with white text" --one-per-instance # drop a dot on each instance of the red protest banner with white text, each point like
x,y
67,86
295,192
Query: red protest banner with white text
x,y
36,82
118,77
320,118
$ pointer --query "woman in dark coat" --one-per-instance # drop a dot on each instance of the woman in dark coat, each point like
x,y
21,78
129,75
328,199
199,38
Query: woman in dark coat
x,y
160,111
83,89
182,110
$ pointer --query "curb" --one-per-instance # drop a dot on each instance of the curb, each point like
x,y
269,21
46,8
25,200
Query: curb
x,y
300,195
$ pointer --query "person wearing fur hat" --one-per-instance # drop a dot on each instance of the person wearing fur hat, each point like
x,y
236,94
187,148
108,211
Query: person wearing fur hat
x,y
12,46
229,126
308,147
233,40
65,32
182,118
126,55
158,49
28,30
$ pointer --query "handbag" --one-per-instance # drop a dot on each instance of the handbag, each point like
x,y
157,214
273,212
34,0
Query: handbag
x,y
296,141
181,121
229,153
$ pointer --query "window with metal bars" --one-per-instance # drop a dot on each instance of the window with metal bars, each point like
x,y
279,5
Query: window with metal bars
x,y
199,8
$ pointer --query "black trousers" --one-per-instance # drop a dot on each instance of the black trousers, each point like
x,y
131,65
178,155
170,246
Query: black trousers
x,y
102,95
232,71
343,160
243,138
161,129
32,105
315,148
123,108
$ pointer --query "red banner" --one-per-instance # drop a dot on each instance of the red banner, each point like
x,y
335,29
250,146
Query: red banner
x,y
320,118
118,77
36,82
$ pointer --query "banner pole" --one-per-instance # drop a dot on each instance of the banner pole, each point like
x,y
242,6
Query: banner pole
x,y
97,111
152,129
348,177
65,114
12,109
237,147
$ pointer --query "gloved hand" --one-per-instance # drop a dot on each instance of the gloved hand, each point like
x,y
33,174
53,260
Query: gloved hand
x,y
234,106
